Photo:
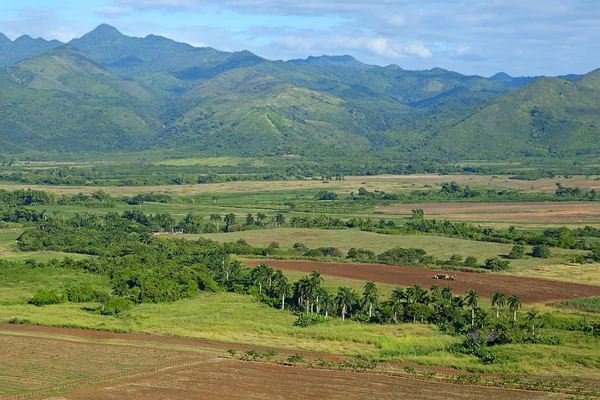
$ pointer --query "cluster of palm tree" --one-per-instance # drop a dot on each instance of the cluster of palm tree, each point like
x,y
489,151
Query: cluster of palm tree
x,y
437,305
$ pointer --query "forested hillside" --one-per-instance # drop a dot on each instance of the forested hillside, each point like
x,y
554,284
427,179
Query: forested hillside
x,y
107,91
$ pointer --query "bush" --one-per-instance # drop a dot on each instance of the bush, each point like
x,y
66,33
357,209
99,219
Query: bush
x,y
517,252
360,254
117,305
305,319
541,251
82,293
496,264
324,252
470,262
45,297
325,195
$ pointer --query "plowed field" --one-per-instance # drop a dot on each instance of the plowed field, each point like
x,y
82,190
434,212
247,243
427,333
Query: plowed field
x,y
529,290
30,363
567,212
244,380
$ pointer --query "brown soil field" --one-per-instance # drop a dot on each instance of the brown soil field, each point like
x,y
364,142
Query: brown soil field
x,y
529,290
568,212
74,334
29,363
246,380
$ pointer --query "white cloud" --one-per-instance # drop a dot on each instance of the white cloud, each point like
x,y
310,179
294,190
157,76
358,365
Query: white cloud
x,y
418,49
396,20
384,47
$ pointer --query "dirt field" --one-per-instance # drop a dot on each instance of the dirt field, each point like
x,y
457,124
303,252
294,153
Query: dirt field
x,y
244,380
568,212
30,363
529,290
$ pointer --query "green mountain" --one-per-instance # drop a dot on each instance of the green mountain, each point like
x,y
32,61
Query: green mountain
x,y
107,91
23,47
548,116
164,66
248,112
63,100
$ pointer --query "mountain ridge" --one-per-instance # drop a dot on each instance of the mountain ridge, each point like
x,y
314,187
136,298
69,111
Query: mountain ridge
x,y
111,92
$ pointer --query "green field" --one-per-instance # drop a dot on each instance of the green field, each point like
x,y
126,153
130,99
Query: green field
x,y
556,267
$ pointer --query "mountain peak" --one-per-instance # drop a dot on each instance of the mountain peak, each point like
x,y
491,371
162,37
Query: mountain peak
x,y
500,76
23,38
105,32
4,39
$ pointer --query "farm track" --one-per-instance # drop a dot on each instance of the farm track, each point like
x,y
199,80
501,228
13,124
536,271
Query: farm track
x,y
530,290
248,380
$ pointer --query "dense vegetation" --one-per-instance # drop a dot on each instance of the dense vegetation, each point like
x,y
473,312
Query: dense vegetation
x,y
109,92
142,269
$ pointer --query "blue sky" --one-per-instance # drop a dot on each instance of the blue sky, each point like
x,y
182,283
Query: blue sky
x,y
525,37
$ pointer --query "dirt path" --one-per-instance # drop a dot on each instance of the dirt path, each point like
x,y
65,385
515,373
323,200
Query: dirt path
x,y
529,290
244,380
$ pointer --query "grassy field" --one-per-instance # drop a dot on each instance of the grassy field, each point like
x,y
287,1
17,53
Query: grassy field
x,y
387,183
240,319
555,267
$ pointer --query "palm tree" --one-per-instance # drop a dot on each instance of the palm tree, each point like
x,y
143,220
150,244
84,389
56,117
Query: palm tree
x,y
345,299
315,281
471,299
260,218
305,291
326,299
217,219
514,304
370,296
279,219
447,293
435,293
261,275
482,317
416,294
498,301
532,316
229,219
396,299
284,289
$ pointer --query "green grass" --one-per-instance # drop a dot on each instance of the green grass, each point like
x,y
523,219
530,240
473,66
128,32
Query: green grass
x,y
233,318
214,161
9,250
589,304
440,247
17,285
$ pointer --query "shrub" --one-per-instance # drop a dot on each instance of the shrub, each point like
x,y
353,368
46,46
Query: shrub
x,y
496,264
360,254
45,297
541,251
117,305
325,195
517,252
81,293
324,252
470,262
305,319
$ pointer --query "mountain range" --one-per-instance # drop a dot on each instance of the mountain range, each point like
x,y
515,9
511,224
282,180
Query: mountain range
x,y
108,92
